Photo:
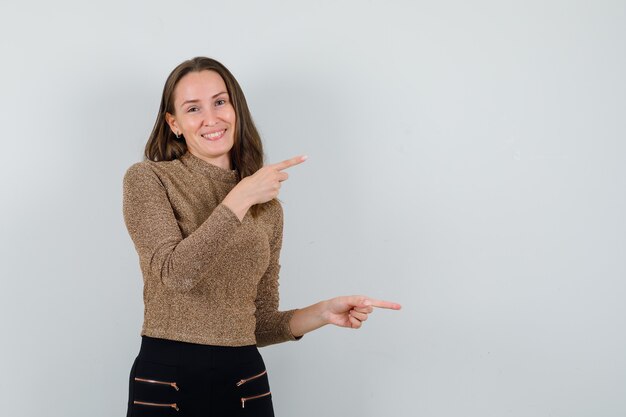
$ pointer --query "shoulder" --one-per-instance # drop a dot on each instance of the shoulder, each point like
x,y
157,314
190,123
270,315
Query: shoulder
x,y
137,169
149,170
274,211
139,175
146,182
272,218
271,215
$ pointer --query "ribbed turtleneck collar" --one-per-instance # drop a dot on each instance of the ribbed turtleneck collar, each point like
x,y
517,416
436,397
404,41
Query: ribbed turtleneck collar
x,y
205,168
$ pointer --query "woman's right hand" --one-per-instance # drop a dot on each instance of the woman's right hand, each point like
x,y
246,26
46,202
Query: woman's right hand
x,y
260,187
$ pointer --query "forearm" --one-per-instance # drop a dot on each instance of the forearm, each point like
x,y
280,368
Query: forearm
x,y
310,318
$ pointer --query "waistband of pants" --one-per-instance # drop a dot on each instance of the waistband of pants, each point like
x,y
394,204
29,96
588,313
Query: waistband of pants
x,y
175,352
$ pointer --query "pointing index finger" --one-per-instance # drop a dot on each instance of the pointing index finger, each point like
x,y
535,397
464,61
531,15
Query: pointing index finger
x,y
288,163
382,304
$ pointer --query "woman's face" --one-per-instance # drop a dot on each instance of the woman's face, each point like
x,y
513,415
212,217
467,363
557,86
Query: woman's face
x,y
204,115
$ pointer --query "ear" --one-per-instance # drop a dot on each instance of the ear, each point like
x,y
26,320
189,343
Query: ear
x,y
171,121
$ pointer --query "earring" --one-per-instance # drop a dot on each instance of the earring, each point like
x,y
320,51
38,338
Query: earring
x,y
177,135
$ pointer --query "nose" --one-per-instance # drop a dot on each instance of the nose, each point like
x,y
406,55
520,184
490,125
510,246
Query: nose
x,y
210,118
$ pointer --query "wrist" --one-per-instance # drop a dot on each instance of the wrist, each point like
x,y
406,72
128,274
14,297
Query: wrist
x,y
323,312
310,318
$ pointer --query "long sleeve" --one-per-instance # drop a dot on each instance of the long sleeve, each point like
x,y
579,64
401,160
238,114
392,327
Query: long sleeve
x,y
178,262
272,326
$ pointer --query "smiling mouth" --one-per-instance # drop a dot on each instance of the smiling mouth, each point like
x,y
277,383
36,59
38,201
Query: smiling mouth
x,y
214,135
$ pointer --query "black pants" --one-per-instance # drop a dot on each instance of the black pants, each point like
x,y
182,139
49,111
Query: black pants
x,y
171,378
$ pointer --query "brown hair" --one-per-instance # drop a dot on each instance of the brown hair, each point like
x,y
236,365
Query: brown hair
x,y
246,156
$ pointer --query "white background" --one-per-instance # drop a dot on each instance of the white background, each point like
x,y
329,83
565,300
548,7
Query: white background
x,y
466,160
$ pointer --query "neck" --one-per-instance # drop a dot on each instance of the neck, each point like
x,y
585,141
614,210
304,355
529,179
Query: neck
x,y
222,161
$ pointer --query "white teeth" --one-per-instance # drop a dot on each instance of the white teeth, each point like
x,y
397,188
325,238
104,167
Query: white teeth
x,y
213,135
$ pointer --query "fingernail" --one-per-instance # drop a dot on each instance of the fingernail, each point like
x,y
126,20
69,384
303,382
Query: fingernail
x,y
305,157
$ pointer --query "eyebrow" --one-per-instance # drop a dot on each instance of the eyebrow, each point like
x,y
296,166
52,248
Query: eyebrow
x,y
197,101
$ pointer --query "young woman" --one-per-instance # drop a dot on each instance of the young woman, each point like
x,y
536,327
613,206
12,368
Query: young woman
x,y
204,218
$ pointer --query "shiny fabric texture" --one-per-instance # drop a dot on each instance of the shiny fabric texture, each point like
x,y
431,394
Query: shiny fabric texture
x,y
209,278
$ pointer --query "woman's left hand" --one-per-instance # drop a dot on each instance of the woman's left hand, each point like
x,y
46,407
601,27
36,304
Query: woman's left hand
x,y
351,311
